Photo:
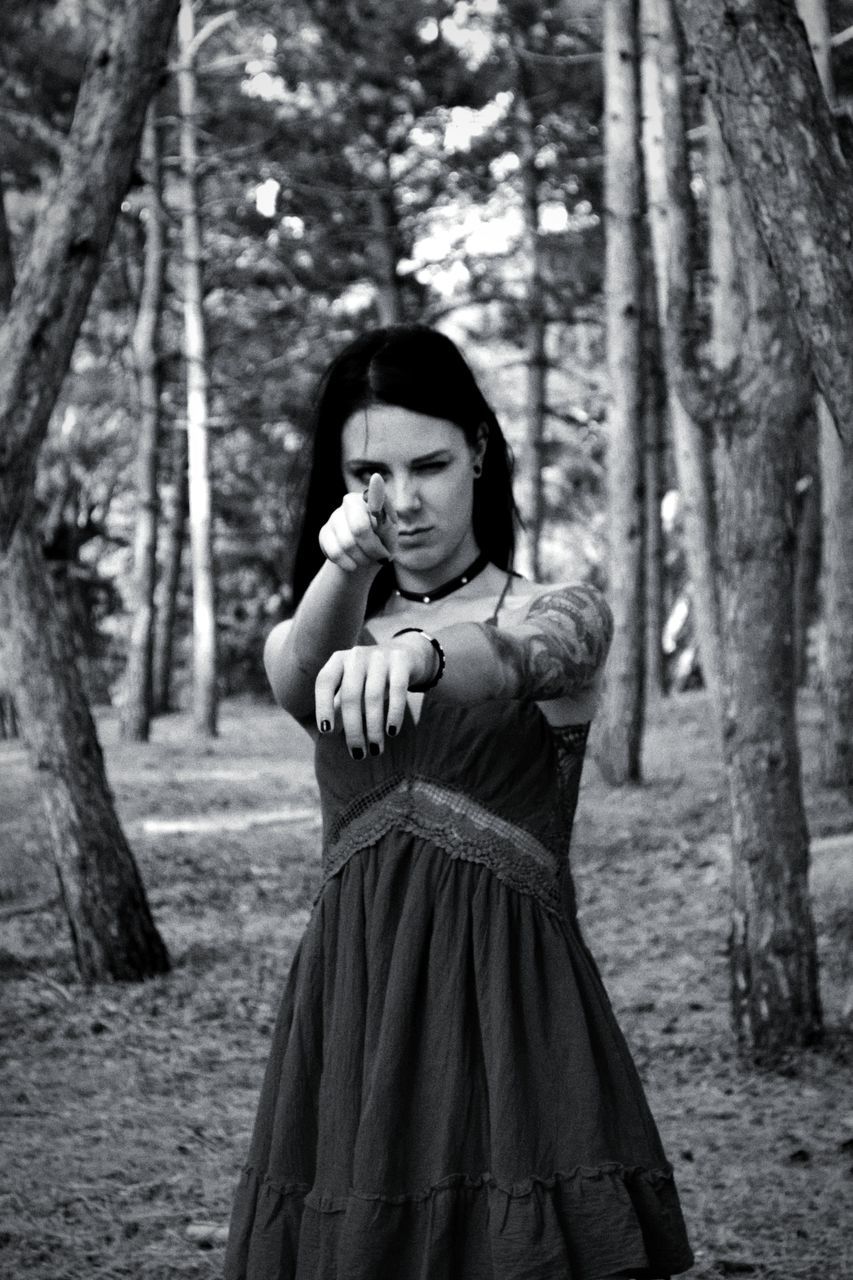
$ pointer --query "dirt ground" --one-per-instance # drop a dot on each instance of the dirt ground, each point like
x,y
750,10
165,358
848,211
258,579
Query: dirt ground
x,y
126,1109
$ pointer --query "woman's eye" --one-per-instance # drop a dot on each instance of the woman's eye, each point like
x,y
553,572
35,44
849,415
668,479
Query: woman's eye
x,y
431,466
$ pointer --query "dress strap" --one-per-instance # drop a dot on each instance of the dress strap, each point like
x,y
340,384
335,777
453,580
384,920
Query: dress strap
x,y
493,620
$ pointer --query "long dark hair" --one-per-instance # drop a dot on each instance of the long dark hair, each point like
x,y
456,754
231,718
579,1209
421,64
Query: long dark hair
x,y
419,369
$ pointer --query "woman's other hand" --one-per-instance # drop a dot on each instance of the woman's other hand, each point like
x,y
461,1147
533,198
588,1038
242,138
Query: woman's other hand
x,y
367,686
362,531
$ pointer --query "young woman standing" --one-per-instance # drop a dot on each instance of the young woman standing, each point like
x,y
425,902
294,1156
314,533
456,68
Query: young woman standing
x,y
448,1095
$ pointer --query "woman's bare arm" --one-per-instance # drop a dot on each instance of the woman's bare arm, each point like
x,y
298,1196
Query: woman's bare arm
x,y
330,616
554,651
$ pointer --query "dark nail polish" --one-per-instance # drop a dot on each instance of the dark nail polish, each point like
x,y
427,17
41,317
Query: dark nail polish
x,y
325,726
357,753
391,731
373,748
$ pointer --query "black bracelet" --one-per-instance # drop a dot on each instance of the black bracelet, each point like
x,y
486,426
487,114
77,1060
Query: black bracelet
x,y
429,684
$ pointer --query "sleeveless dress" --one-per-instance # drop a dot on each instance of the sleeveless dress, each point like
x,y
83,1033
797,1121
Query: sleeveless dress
x,y
448,1095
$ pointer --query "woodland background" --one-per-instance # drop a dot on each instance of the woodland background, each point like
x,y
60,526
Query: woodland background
x,y
562,189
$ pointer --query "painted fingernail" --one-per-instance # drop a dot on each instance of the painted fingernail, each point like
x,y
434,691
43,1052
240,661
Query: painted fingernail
x,y
373,748
357,753
391,731
325,726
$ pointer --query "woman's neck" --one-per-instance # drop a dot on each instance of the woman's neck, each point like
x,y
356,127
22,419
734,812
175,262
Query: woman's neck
x,y
427,580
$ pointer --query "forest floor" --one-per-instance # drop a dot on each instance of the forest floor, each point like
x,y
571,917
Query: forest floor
x,y
126,1110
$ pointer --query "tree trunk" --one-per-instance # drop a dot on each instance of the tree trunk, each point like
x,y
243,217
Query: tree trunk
x,y
836,466
136,706
8,714
787,153
533,459
71,236
176,503
654,450
198,442
671,221
775,997
383,252
112,931
837,540
809,553
621,743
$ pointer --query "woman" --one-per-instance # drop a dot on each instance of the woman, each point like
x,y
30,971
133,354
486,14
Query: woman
x,y
448,1095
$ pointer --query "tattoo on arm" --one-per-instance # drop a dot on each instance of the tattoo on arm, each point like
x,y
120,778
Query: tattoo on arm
x,y
574,627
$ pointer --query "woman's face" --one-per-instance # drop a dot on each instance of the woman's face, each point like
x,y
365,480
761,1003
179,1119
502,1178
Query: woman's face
x,y
427,465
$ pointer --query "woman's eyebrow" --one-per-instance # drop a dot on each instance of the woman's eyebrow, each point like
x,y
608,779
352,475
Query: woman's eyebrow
x,y
362,463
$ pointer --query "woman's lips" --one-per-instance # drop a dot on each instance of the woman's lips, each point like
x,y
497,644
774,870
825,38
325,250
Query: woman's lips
x,y
412,533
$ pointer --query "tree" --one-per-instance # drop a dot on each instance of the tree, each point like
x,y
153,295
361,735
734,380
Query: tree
x,y
195,353
112,930
671,225
137,708
623,700
751,394
789,157
836,492
775,996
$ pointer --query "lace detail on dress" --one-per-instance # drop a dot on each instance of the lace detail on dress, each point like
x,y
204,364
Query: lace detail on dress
x,y
459,825
569,745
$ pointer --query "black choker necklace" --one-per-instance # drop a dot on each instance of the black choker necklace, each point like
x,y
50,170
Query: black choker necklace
x,y
438,593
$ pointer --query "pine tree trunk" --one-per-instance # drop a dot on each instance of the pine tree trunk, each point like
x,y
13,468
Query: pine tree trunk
x,y
383,252
533,458
787,153
113,934
775,996
8,714
198,441
809,553
622,712
654,442
836,466
837,514
175,507
136,706
71,236
671,223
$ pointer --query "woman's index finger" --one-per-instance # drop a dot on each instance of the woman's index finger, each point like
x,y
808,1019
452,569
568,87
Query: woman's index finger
x,y
375,494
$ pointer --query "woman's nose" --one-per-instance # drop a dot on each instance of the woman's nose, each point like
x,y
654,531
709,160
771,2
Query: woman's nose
x,y
405,494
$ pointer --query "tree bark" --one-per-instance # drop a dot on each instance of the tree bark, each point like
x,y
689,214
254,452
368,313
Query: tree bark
x,y
836,466
533,459
787,153
112,930
175,506
654,451
8,714
809,552
837,520
198,439
136,706
383,251
113,933
621,742
773,956
65,254
671,218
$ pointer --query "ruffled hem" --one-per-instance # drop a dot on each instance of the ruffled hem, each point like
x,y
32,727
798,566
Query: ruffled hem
x,y
583,1224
